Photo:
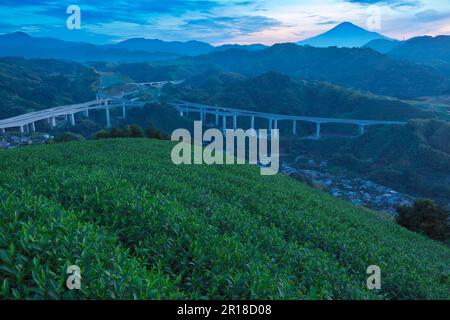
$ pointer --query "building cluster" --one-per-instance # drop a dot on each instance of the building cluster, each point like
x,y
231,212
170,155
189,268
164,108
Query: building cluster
x,y
10,140
359,191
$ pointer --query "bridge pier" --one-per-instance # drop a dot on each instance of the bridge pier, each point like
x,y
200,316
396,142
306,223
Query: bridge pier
x,y
270,125
108,118
224,123
181,114
362,129
32,127
22,129
53,122
3,130
86,113
124,111
202,115
317,136
294,127
72,119
275,124
252,121
217,117
234,121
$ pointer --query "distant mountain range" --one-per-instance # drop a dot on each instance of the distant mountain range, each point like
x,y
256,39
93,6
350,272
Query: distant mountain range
x,y
360,68
132,50
190,48
345,34
431,51
405,69
23,45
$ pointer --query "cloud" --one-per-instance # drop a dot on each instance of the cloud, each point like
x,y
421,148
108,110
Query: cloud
x,y
104,11
237,25
327,22
391,3
432,15
215,21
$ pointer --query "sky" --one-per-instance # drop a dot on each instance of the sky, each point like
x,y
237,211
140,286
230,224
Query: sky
x,y
222,21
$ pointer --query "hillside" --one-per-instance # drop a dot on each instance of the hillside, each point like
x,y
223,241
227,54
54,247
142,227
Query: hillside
x,y
383,45
430,50
276,93
36,84
140,227
359,68
145,72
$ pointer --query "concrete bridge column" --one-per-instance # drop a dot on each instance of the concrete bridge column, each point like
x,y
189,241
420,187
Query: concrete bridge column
x,y
362,129
224,123
275,124
202,115
217,117
22,129
270,126
53,122
234,121
108,118
252,122
86,113
72,119
3,130
294,127
317,130
32,127
124,111
181,113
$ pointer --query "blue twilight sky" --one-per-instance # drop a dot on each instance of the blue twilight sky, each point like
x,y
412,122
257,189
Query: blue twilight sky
x,y
220,21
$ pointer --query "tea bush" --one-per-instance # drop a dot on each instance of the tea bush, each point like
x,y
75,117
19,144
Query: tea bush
x,y
140,227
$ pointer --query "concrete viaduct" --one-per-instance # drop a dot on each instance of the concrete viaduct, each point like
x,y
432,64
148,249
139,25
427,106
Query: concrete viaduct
x,y
185,107
26,122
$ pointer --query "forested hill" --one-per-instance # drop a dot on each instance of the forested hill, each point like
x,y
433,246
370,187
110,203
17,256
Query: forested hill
x,y
360,68
36,84
277,93
139,226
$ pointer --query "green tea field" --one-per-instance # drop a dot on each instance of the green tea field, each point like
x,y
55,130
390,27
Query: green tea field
x,y
140,227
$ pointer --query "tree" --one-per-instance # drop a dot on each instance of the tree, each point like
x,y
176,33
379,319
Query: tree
x,y
70,136
154,134
102,134
427,218
136,131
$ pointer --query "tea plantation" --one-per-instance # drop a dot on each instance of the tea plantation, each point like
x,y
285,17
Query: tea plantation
x,y
140,227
